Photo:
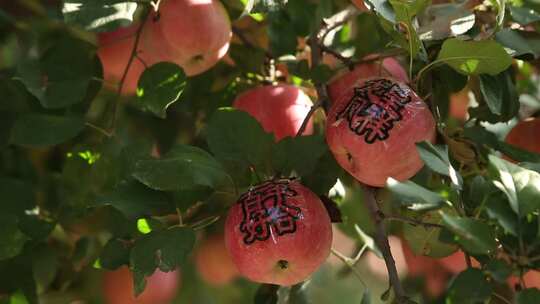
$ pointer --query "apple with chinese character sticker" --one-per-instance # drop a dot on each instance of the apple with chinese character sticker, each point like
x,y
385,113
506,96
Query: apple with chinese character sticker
x,y
372,129
279,109
345,80
278,232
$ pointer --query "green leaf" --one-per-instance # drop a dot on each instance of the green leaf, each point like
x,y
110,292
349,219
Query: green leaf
x,y
300,154
448,81
17,196
39,130
267,294
373,37
303,17
521,186
425,241
498,209
530,166
481,136
499,270
446,20
15,101
524,15
497,104
436,158
366,298
12,239
182,168
474,57
98,15
237,138
384,9
473,235
405,12
160,86
528,296
166,250
248,59
281,34
492,92
469,286
20,278
68,66
35,227
135,200
298,294
520,43
414,196
45,264
115,254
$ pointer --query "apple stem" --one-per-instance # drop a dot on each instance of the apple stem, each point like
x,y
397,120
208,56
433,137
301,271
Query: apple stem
x,y
381,240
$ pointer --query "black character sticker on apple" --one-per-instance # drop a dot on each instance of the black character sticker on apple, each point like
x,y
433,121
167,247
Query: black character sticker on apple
x,y
375,108
267,212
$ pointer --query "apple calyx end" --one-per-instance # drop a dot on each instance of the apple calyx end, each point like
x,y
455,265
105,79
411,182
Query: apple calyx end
x,y
283,264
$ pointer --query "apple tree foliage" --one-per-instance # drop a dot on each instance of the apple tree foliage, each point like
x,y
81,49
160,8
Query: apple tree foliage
x,y
81,193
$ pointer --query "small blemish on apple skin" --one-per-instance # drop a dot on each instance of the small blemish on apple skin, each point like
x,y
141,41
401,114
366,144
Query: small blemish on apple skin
x,y
283,264
197,58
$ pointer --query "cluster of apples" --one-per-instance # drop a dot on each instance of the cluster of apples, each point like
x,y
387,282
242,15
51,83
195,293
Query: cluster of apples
x,y
168,36
372,126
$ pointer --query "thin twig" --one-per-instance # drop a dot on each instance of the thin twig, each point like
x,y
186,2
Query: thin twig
x,y
411,221
348,61
312,110
338,20
126,70
349,262
99,129
500,297
179,214
381,239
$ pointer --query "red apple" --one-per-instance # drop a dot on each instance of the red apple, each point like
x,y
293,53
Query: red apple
x,y
161,287
213,261
525,135
114,51
193,33
278,232
360,5
418,265
455,263
343,82
459,104
373,127
280,109
436,282
531,279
